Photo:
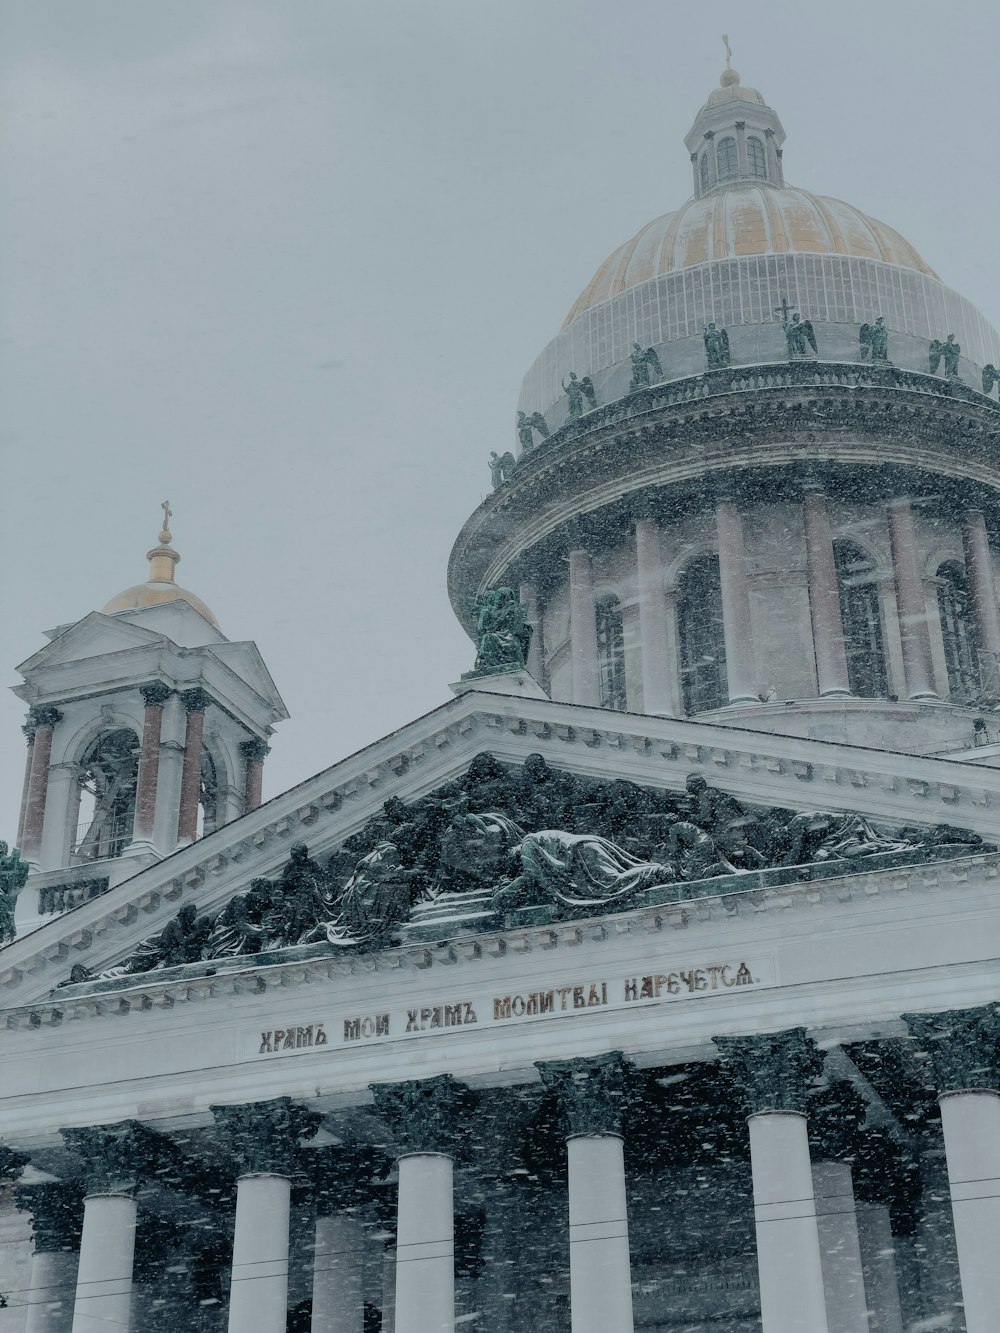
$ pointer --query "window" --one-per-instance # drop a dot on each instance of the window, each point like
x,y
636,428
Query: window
x,y
703,171
702,643
958,633
209,799
859,609
611,654
756,159
108,778
727,159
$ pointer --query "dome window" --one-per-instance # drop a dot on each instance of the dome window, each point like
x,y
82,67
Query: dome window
x,y
107,785
756,158
859,609
611,654
703,647
957,633
727,159
703,171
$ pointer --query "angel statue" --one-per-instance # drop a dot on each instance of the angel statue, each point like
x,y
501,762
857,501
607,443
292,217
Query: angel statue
x,y
991,376
501,466
716,347
874,340
644,360
799,334
950,351
526,427
503,634
576,390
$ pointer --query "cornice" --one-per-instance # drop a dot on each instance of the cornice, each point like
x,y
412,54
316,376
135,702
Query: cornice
x,y
777,415
308,965
412,762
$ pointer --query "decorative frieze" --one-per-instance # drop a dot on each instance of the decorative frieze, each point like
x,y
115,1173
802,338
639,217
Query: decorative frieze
x,y
774,1069
265,1137
963,1046
592,1093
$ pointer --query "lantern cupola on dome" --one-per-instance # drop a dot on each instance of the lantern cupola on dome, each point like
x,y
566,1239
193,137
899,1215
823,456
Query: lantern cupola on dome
x,y
160,586
736,137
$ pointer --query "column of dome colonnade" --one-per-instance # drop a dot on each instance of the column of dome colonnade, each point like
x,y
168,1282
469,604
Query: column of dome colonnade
x,y
426,1116
264,1138
824,597
528,597
736,623
583,628
592,1094
775,1071
657,692
41,725
964,1049
982,586
911,606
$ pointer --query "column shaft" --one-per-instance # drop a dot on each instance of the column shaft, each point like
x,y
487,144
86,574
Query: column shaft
x,y
337,1294
258,1299
187,824
911,605
50,1297
104,1276
824,599
425,1245
878,1261
971,1123
982,585
656,692
840,1248
24,790
788,1252
528,595
599,1267
389,1290
736,625
583,629
38,786
149,769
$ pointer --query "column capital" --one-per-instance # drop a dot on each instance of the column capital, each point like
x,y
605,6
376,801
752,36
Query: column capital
x,y
265,1137
774,1069
29,730
426,1114
155,694
255,750
344,1176
195,701
963,1046
114,1156
44,716
12,1162
56,1214
592,1092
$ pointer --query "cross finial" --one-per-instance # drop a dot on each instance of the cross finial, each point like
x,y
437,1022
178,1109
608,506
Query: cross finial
x,y
729,54
167,513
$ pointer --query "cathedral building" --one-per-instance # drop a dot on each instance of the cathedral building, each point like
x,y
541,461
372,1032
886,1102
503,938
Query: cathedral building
x,y
651,982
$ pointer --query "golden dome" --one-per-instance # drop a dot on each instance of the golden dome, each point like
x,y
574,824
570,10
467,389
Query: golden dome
x,y
160,586
754,219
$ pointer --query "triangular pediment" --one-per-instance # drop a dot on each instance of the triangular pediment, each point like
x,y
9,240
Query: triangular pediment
x,y
420,758
95,635
244,660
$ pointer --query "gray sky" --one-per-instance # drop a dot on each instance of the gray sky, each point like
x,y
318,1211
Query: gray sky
x,y
286,263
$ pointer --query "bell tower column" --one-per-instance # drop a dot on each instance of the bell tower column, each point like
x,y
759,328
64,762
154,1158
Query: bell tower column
x,y
154,696
44,721
195,702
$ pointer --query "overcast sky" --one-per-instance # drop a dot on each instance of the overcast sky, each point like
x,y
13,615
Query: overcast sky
x,y
285,264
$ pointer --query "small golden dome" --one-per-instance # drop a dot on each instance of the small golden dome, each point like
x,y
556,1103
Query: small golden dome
x,y
746,220
160,586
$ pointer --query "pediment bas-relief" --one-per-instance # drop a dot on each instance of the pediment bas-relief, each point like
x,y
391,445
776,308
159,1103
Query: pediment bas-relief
x,y
508,845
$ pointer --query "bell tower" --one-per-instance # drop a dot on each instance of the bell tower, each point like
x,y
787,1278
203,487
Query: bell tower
x,y
147,728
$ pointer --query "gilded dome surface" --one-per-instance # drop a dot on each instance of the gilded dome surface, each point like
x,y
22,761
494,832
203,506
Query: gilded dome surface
x,y
155,594
744,220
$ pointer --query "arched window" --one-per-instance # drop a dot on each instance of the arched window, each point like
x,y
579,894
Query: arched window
x,y
859,609
958,633
727,159
209,813
756,158
611,654
702,643
703,171
108,774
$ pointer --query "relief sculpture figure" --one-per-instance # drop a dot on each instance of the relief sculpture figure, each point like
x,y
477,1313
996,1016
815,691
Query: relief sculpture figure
x,y
644,362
